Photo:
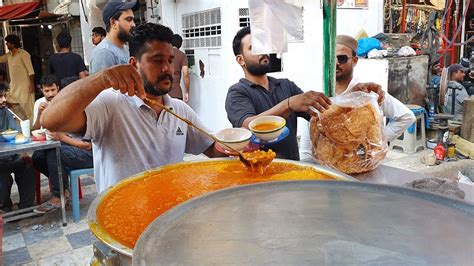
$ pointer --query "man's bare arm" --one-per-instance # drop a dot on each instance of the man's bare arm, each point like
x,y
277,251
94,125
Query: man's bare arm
x,y
296,103
66,112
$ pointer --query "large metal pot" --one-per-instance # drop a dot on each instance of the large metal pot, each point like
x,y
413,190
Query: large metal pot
x,y
123,254
311,223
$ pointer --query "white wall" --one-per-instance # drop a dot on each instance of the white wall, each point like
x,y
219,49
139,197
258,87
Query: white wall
x,y
302,63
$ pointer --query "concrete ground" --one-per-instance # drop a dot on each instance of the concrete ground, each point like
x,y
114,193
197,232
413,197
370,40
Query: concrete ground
x,y
43,241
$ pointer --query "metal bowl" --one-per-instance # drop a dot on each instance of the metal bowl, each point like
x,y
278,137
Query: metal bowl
x,y
102,234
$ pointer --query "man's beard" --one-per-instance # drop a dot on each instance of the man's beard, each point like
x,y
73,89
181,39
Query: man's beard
x,y
153,90
123,35
344,75
259,69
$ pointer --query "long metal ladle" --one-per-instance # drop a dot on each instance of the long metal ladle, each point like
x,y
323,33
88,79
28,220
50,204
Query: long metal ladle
x,y
167,109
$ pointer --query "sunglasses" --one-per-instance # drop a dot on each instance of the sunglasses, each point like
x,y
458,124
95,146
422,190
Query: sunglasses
x,y
342,59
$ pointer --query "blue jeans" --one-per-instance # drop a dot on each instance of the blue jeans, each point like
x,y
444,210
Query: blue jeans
x,y
71,158
24,178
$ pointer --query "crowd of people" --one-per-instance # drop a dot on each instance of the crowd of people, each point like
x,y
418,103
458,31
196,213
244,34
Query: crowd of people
x,y
113,110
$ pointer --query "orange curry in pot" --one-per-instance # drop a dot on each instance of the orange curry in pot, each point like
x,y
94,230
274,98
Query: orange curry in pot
x,y
127,209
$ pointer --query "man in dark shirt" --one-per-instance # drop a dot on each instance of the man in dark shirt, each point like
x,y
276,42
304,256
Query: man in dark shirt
x,y
21,166
65,64
258,94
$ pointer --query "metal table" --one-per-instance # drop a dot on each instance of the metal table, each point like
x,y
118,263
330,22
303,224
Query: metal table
x,y
11,149
384,174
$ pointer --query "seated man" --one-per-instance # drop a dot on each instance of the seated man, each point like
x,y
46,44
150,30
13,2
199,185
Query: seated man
x,y
456,74
76,153
21,166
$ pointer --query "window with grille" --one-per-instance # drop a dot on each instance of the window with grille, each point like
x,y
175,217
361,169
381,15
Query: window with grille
x,y
202,29
244,21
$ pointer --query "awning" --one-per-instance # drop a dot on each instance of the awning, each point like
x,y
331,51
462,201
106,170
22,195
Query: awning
x,y
16,11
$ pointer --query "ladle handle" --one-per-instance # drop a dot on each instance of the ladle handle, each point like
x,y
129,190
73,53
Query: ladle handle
x,y
167,109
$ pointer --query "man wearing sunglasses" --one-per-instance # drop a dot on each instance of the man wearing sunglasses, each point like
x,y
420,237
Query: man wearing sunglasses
x,y
397,113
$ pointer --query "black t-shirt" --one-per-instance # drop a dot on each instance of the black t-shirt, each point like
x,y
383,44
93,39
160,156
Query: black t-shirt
x,y
64,65
246,99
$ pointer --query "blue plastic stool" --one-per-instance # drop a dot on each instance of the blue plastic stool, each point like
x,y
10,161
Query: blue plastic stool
x,y
74,182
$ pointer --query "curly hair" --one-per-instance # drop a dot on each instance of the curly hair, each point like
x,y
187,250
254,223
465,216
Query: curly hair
x,y
147,32
13,39
237,42
4,88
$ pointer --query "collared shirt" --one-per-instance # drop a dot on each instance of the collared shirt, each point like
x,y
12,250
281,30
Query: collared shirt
x,y
20,68
107,54
128,137
245,99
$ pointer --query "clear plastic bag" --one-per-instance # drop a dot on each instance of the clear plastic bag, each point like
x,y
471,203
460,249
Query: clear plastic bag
x,y
349,135
271,21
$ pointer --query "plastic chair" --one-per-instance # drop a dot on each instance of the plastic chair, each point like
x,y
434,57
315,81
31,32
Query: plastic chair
x,y
412,138
76,191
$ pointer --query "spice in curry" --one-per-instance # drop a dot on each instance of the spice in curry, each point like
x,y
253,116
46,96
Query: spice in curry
x,y
129,208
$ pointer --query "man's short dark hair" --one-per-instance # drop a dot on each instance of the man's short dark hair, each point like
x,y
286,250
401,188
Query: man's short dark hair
x,y
64,39
115,16
48,80
177,41
147,32
13,39
4,87
237,42
100,31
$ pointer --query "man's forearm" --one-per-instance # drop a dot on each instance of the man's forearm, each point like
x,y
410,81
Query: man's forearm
x,y
76,143
280,109
37,124
66,113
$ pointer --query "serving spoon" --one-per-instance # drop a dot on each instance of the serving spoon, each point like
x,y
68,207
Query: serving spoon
x,y
246,162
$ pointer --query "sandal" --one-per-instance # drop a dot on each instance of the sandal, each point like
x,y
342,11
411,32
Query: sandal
x,y
46,207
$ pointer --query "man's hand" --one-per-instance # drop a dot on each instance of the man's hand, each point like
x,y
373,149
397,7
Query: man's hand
x,y
124,78
186,97
303,102
55,135
32,87
370,87
42,107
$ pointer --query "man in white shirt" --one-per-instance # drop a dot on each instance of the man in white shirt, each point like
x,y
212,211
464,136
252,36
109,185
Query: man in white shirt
x,y
76,153
399,115
130,132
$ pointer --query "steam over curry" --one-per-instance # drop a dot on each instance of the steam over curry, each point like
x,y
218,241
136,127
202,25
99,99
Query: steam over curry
x,y
127,209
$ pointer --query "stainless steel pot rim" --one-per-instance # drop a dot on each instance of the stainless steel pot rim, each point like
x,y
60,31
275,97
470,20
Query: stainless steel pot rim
x,y
115,245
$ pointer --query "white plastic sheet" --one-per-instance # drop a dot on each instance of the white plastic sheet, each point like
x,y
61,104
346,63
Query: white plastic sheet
x,y
271,21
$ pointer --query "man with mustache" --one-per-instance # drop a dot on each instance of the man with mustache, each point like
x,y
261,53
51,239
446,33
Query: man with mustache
x,y
76,152
130,133
118,19
258,94
398,115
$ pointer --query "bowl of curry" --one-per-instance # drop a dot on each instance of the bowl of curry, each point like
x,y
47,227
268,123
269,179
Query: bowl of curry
x,y
120,214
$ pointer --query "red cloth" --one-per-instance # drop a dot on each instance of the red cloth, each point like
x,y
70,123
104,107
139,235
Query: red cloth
x,y
17,10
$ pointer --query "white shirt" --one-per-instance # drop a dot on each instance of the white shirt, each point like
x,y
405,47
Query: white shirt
x,y
128,137
36,108
401,117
